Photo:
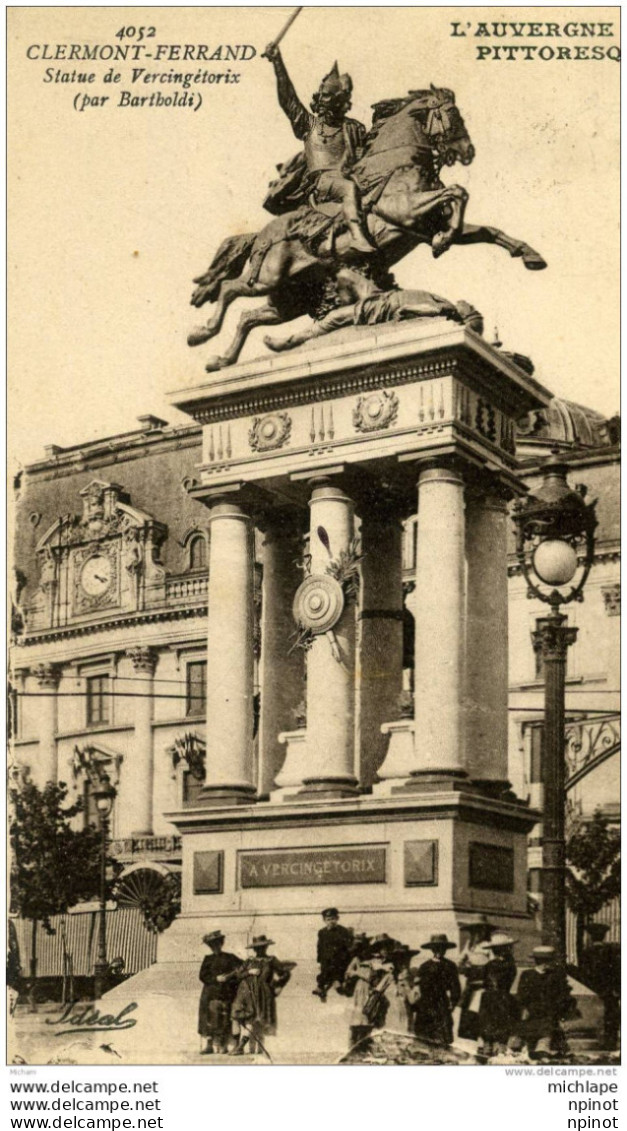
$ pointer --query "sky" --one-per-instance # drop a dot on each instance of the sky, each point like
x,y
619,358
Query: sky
x,y
113,210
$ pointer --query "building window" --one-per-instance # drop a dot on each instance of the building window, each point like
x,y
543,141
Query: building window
x,y
98,700
198,552
536,759
196,699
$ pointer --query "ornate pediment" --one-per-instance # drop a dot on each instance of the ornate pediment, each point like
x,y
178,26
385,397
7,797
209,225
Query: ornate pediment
x,y
103,558
106,513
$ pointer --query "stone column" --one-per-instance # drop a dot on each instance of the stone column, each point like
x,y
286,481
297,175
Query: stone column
x,y
331,683
139,767
486,636
440,627
230,659
281,675
380,667
47,676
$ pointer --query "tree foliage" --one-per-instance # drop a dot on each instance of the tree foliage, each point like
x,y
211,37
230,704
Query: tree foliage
x,y
54,866
593,873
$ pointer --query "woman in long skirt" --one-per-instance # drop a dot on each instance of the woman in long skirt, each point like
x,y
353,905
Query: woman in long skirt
x,y
261,978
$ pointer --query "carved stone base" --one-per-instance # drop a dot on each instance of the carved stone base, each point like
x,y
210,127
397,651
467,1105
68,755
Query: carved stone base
x,y
319,788
434,781
220,795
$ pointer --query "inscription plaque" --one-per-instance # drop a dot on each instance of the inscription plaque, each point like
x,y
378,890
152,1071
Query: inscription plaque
x,y
309,867
491,867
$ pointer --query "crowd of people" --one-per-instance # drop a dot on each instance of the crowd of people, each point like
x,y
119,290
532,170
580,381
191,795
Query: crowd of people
x,y
385,988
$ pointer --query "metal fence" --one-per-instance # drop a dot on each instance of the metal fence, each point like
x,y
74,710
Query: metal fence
x,y
76,938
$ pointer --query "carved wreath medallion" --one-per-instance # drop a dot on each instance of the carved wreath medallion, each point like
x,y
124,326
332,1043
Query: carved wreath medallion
x,y
270,431
375,410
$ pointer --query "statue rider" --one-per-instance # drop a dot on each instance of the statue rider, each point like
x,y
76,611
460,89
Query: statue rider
x,y
333,143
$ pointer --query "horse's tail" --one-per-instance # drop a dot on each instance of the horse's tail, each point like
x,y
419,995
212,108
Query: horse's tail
x,y
228,262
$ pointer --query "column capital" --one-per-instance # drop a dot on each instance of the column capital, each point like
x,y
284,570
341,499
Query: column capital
x,y
440,471
553,637
143,659
47,675
322,490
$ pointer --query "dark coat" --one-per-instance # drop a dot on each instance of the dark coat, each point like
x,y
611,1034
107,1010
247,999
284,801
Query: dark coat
x,y
498,1012
544,1000
334,950
599,969
212,1020
440,991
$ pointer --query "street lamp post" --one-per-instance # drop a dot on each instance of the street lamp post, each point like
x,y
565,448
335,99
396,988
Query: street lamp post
x,y
104,795
554,541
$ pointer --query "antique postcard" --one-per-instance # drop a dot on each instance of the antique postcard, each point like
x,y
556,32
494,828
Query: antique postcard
x,y
314,518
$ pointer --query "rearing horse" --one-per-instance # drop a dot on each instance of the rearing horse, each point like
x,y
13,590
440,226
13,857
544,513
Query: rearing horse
x,y
297,258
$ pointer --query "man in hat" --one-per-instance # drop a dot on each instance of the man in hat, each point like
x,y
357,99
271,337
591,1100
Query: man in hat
x,y
218,991
437,982
472,963
544,998
599,969
333,143
333,952
261,979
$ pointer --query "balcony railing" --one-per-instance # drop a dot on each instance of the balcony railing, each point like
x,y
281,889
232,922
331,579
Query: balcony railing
x,y
187,587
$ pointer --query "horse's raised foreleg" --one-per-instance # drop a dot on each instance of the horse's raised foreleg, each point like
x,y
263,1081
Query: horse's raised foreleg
x,y
263,316
229,291
457,199
518,249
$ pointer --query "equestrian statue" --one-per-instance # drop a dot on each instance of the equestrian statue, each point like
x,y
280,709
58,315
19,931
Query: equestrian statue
x,y
347,208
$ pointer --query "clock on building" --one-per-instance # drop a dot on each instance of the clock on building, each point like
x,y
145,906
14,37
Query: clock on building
x,y
96,576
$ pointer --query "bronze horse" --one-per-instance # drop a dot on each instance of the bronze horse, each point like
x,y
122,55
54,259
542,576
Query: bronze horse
x,y
297,258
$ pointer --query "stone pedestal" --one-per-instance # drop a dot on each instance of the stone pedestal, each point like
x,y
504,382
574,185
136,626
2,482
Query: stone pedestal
x,y
362,414
296,766
138,771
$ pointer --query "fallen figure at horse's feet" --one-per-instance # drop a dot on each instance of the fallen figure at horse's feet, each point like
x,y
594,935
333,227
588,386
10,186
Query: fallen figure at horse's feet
x,y
383,306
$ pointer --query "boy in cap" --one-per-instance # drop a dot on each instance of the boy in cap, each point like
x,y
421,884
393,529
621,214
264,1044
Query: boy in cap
x,y
333,952
218,991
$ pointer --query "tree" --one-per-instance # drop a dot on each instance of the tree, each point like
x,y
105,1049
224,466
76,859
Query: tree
x,y
54,866
593,871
